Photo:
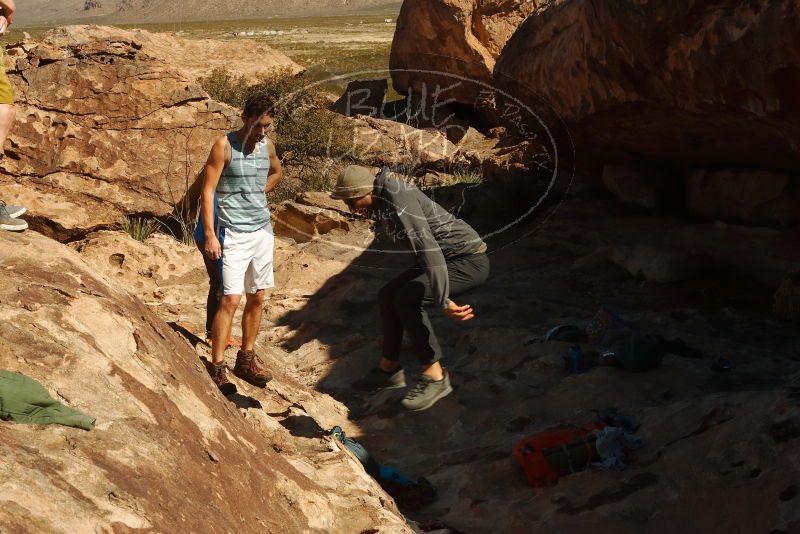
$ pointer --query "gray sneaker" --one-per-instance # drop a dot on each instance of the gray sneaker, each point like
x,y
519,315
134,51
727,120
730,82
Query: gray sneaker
x,y
378,379
425,394
14,211
7,222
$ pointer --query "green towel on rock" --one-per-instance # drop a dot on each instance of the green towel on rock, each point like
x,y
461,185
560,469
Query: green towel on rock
x,y
24,400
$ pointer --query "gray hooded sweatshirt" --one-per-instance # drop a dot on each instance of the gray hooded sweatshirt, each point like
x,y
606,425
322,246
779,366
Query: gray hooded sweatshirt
x,y
409,218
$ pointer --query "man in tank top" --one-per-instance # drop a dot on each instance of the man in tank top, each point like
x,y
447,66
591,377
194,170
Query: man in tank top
x,y
242,167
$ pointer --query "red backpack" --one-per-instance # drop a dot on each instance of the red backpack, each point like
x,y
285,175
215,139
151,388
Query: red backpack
x,y
547,456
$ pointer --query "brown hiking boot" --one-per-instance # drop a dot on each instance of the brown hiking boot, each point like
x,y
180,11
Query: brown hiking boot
x,y
247,369
219,375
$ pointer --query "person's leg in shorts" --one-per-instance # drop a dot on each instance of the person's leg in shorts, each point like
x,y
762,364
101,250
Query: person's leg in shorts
x,y
241,252
8,213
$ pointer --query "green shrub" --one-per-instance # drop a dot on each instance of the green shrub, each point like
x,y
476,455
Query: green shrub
x,y
139,228
304,125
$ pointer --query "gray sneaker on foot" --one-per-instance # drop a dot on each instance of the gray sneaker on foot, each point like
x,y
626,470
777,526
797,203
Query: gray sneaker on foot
x,y
426,392
8,222
378,379
14,211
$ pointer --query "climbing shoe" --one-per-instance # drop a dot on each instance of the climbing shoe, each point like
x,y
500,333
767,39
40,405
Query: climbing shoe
x,y
426,392
219,375
247,369
378,379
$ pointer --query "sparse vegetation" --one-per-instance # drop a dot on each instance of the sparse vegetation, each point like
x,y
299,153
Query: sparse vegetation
x,y
139,228
304,125
311,140
181,226
467,176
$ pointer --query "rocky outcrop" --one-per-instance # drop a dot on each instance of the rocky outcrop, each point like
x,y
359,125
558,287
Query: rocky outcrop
x,y
194,57
111,122
688,81
303,223
747,196
462,38
169,453
396,143
103,128
665,100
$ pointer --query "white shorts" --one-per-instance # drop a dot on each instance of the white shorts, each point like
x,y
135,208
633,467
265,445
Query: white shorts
x,y
247,260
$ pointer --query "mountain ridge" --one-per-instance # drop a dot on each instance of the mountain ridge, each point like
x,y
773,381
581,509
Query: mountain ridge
x,y
48,12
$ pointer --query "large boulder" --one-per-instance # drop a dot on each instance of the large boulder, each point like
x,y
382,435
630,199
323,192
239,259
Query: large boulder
x,y
454,37
103,128
691,82
748,196
169,453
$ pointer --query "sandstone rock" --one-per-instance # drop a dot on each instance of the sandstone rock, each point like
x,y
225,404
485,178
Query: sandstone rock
x,y
749,196
457,37
323,200
787,299
304,223
160,265
627,96
194,57
396,143
169,453
659,265
362,98
103,128
518,163
630,186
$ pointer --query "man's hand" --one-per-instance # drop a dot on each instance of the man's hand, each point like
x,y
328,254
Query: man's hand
x,y
212,248
459,313
4,22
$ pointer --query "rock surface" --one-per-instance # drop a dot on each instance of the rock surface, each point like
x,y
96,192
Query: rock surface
x,y
103,128
703,430
112,122
457,37
210,466
683,81
304,223
748,196
787,298
396,143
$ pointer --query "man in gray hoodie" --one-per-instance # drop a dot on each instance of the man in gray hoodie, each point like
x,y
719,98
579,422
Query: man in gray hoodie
x,y
450,258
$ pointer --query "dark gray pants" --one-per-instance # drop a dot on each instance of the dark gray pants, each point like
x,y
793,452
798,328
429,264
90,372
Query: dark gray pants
x,y
214,270
402,303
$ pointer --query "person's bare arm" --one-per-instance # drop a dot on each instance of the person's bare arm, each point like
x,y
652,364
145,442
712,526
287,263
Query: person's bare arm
x,y
9,8
275,169
211,174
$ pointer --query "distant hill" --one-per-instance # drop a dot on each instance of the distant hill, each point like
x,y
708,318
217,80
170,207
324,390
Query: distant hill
x,y
51,12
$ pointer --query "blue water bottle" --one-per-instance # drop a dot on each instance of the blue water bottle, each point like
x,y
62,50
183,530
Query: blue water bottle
x,y
575,359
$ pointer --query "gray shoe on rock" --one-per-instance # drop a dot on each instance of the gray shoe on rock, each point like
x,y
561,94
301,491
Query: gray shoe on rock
x,y
9,221
426,392
14,211
378,379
